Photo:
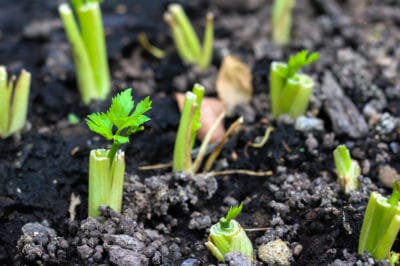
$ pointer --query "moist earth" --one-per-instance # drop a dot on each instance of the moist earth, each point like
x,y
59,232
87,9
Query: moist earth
x,y
298,212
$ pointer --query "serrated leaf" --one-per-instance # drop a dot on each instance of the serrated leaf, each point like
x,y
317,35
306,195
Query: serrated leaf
x,y
100,124
121,107
234,212
300,60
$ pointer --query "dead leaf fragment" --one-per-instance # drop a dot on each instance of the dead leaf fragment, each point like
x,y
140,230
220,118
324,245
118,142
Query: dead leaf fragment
x,y
210,109
234,83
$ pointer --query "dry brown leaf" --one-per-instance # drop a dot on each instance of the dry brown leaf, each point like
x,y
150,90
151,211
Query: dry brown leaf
x,y
234,83
210,109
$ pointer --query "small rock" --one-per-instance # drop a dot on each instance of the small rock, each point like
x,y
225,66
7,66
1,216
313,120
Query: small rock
x,y
308,123
387,123
311,143
345,117
190,262
387,175
237,259
85,251
126,257
126,242
275,252
199,221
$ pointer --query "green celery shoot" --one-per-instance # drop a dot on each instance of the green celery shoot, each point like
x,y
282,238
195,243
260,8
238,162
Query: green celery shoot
x,y
347,169
290,91
228,236
282,21
189,124
88,47
107,167
14,105
186,40
381,224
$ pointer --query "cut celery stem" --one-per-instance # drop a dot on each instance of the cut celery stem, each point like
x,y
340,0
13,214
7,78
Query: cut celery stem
x,y
19,108
299,101
182,160
189,33
289,96
282,21
276,84
5,104
105,182
90,19
84,71
183,49
207,52
347,169
381,224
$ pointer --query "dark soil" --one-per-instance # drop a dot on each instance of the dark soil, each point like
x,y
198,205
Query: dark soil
x,y
165,216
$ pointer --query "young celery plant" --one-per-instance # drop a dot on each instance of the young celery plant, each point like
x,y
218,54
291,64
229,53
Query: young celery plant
x,y
88,47
290,91
381,224
186,41
282,20
14,102
189,124
107,167
347,169
228,236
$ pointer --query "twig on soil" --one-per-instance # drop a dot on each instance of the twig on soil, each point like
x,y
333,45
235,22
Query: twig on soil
x,y
153,50
257,229
155,166
74,202
241,172
264,140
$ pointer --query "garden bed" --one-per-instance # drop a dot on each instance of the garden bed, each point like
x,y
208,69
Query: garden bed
x,y
165,216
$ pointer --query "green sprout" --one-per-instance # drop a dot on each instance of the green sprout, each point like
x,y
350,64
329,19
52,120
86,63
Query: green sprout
x,y
282,20
381,224
186,41
347,169
189,124
88,47
290,91
14,102
228,236
107,167
394,259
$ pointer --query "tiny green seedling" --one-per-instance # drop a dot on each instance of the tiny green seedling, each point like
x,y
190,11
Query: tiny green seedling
x,y
347,169
14,102
394,259
282,20
290,91
228,236
88,47
381,224
189,124
107,167
186,41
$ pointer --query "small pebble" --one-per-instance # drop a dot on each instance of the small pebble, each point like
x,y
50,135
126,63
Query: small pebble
x,y
308,123
275,252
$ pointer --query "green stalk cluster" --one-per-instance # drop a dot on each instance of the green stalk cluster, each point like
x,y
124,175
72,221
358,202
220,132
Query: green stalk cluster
x,y
347,169
189,124
14,102
186,41
88,47
290,91
282,20
228,236
381,224
107,167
